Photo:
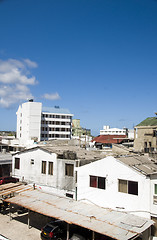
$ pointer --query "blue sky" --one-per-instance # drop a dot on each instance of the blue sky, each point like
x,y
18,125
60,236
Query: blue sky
x,y
98,58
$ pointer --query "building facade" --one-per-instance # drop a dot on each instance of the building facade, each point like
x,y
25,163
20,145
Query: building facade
x,y
112,131
145,136
78,131
127,184
51,165
36,123
42,167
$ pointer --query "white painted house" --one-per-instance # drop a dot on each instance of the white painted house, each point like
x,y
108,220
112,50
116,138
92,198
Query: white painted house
x,y
37,123
51,166
127,184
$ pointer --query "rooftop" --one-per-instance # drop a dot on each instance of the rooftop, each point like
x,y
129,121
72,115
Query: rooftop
x,y
116,224
109,138
56,110
60,147
142,164
150,121
69,149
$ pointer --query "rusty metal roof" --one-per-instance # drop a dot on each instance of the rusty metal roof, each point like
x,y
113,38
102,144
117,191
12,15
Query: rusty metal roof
x,y
11,189
116,224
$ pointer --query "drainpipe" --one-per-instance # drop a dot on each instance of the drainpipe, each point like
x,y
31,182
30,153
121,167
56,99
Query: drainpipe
x,y
149,234
28,218
76,193
10,211
93,235
67,231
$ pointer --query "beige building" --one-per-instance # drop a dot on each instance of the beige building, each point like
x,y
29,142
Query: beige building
x,y
77,130
145,135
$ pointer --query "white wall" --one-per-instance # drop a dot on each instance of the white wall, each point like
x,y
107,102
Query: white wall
x,y
29,121
31,173
112,131
153,196
112,170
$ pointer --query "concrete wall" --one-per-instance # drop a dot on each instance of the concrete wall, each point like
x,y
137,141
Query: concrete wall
x,y
112,170
31,173
29,121
144,134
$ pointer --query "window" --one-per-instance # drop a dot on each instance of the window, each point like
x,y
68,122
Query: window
x,y
154,133
98,182
69,195
17,163
122,186
155,189
129,187
69,170
93,181
154,227
32,161
43,167
50,172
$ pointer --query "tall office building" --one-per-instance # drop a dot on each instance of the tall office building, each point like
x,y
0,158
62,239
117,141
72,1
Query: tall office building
x,y
38,123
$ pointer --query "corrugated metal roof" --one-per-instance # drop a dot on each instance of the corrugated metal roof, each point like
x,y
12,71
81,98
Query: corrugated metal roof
x,y
10,189
118,225
59,149
109,138
142,164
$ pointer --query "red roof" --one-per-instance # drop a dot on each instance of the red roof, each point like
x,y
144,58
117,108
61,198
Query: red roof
x,y
109,138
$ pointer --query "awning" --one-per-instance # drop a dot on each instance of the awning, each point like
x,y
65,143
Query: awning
x,y
115,224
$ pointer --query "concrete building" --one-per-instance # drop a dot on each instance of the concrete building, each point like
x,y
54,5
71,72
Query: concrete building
x,y
145,136
127,184
109,136
36,123
50,165
81,134
77,130
112,131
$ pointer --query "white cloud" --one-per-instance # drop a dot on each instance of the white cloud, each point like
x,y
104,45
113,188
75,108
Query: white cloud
x,y
51,96
14,80
30,63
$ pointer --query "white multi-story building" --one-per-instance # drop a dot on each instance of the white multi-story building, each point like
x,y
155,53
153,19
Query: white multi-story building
x,y
37,123
112,131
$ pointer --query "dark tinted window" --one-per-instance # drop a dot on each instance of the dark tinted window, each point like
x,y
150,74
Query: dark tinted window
x,y
101,182
133,187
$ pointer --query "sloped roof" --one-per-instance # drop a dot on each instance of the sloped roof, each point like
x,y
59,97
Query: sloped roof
x,y
150,121
141,164
59,147
116,224
109,138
